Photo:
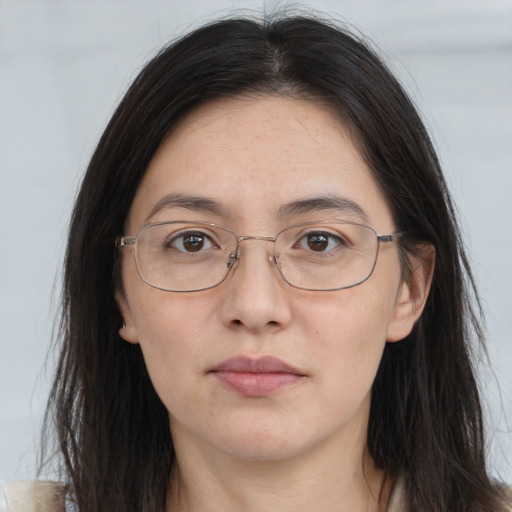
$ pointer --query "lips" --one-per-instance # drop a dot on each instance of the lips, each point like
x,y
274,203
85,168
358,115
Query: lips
x,y
259,377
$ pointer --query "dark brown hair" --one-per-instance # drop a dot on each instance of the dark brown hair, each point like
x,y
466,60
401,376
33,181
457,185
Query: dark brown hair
x,y
425,422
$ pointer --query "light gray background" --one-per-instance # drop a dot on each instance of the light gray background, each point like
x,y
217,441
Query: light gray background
x,y
63,68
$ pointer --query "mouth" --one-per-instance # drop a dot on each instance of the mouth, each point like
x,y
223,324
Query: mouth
x,y
258,377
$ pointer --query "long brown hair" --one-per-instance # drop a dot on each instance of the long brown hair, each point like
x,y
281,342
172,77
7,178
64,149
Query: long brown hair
x,y
425,422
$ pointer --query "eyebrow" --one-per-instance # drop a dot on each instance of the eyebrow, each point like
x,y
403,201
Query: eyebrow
x,y
333,203
194,203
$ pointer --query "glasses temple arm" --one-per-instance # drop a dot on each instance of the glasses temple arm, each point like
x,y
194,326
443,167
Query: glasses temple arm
x,y
390,238
123,241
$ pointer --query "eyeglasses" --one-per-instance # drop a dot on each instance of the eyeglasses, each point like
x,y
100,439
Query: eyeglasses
x,y
182,256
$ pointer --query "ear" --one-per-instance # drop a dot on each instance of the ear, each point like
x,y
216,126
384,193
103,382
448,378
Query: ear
x,y
412,294
128,331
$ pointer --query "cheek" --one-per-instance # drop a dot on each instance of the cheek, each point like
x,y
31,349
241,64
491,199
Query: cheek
x,y
350,315
174,338
349,334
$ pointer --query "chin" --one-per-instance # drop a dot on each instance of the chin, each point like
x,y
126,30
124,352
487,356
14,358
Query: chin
x,y
263,450
263,442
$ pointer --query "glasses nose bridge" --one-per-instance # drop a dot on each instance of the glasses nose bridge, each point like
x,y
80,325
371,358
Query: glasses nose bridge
x,y
258,238
262,238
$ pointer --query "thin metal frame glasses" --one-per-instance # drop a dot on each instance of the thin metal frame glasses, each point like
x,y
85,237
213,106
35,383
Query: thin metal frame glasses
x,y
188,256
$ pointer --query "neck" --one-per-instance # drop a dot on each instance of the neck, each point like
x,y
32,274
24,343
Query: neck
x,y
325,479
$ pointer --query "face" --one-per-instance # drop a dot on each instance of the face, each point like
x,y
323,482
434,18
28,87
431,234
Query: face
x,y
255,368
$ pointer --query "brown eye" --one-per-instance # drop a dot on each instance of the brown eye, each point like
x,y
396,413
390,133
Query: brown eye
x,y
193,243
318,242
190,242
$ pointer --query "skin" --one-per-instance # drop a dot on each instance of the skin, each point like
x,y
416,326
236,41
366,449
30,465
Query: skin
x,y
302,447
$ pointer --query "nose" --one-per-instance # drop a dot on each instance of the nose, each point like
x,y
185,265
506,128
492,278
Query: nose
x,y
257,296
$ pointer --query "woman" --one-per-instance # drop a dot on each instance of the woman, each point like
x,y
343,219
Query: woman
x,y
266,303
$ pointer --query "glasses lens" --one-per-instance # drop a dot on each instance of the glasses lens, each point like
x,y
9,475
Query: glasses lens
x,y
179,256
184,256
326,256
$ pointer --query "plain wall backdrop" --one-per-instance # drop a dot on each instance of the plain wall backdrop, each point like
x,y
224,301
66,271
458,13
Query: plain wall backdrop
x,y
65,65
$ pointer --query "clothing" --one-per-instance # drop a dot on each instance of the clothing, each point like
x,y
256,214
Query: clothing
x,y
397,501
34,496
47,496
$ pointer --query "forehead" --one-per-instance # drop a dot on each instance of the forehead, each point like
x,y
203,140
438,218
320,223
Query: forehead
x,y
254,155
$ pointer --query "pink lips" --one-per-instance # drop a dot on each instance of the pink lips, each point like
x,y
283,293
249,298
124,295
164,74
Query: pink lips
x,y
256,377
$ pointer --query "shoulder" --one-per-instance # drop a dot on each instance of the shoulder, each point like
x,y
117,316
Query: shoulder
x,y
34,495
508,494
398,501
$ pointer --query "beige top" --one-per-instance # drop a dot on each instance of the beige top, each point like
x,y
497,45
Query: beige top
x,y
34,496
48,496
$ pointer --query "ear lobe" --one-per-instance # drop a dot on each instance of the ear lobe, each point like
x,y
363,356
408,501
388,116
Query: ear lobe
x,y
413,294
128,331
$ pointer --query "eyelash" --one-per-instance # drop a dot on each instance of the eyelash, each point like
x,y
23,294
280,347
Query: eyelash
x,y
183,236
339,240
